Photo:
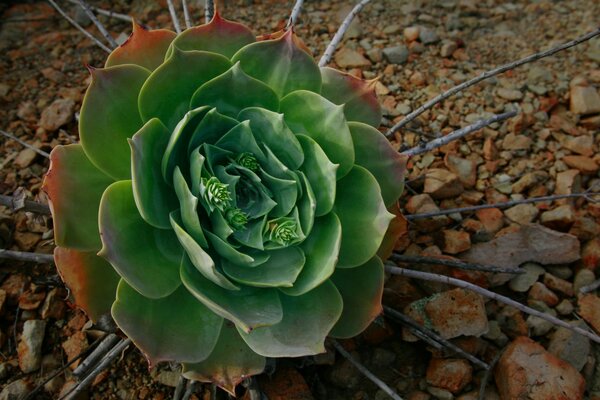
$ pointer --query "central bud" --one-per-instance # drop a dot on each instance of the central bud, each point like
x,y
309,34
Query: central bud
x,y
215,193
248,160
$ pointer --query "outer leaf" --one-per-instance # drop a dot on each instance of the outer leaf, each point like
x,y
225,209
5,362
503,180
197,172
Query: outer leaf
x,y
91,280
75,187
218,36
146,257
109,115
307,320
198,257
375,153
320,173
250,92
229,364
281,270
398,228
321,249
249,308
226,250
363,216
269,128
167,92
175,328
289,68
212,127
309,114
153,197
361,289
357,96
144,48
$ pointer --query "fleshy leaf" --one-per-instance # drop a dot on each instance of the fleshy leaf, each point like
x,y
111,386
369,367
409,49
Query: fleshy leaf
x,y
361,289
167,92
374,152
249,92
240,140
398,228
310,114
91,280
218,36
146,257
321,249
230,362
144,48
212,127
281,270
321,174
363,215
226,250
285,194
307,320
153,197
306,205
269,128
176,151
75,187
252,234
109,116
281,64
357,96
188,207
198,257
174,328
249,308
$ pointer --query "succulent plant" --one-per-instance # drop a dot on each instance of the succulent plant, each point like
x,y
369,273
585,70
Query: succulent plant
x,y
229,200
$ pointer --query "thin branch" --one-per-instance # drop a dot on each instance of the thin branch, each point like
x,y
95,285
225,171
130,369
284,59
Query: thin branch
x,y
174,17
108,343
337,38
180,388
586,195
186,14
426,276
381,384
406,320
79,27
489,74
191,388
295,12
86,8
209,10
25,144
106,361
590,288
32,206
457,134
487,375
403,258
106,13
27,256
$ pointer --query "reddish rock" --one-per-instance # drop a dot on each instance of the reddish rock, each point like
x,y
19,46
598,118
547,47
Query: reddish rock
x,y
31,298
14,285
411,33
527,371
491,218
558,284
286,384
516,142
559,219
450,374
348,58
568,182
590,254
490,152
586,165
453,242
583,145
540,292
589,309
74,345
57,114
30,345
442,184
54,306
522,214
466,170
584,100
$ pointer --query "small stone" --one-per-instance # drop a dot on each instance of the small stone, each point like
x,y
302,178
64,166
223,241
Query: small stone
x,y
490,152
558,284
30,345
450,374
392,29
465,169
53,75
529,180
584,100
523,282
565,307
286,384
491,218
27,240
57,114
447,49
428,36
25,158
570,346
54,306
510,94
168,378
560,219
15,390
590,254
586,165
344,374
348,58
589,309
538,326
583,145
27,111
583,277
441,184
592,122
516,142
540,292
439,393
411,33
453,242
375,54
522,213
74,345
396,54
525,363
31,298
568,182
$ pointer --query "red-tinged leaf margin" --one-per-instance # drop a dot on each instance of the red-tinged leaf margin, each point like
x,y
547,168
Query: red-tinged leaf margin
x,y
143,47
91,280
397,229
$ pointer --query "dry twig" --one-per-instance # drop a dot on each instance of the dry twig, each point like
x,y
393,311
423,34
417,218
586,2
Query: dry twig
x,y
209,10
457,134
403,258
32,206
106,13
186,14
381,384
86,8
337,38
174,17
26,256
590,288
486,75
295,12
426,276
79,27
95,356
25,144
487,375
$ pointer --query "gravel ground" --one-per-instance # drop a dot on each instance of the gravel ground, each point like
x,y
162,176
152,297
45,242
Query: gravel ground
x,y
417,49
